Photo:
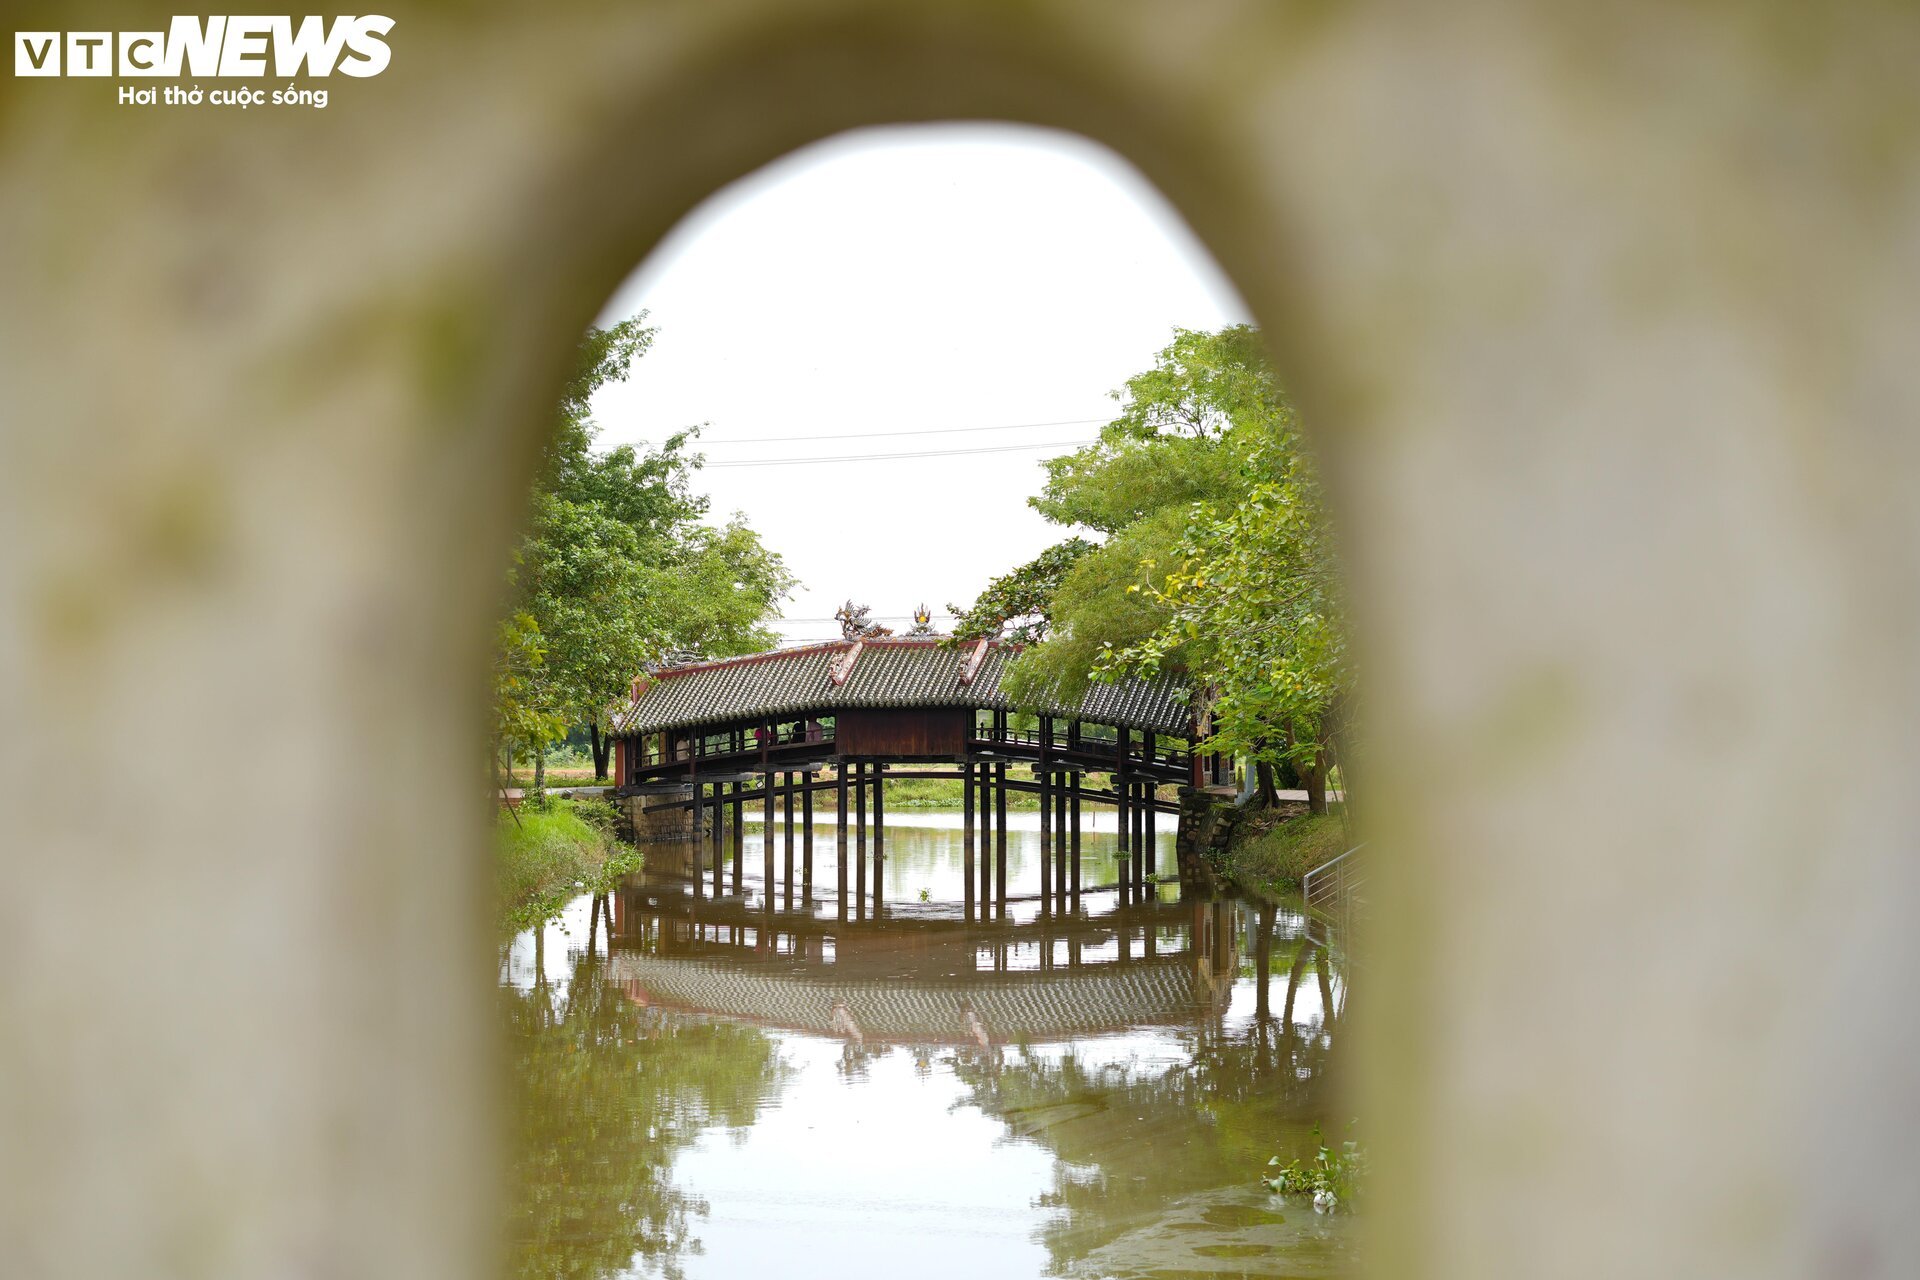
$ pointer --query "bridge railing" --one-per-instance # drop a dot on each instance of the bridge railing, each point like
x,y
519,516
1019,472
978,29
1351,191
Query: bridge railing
x,y
1336,889
651,753
1088,740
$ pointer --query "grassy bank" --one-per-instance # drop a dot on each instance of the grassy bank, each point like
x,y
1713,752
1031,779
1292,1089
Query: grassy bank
x,y
552,853
904,791
1273,856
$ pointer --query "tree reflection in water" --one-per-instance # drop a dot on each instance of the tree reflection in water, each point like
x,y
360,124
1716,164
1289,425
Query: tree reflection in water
x,y
1133,1101
1133,1133
608,1093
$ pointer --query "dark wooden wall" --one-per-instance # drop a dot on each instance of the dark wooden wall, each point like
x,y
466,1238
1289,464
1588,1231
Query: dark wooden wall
x,y
939,732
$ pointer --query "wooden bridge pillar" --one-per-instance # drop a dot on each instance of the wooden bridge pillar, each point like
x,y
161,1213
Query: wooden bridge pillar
x,y
719,836
879,837
766,842
786,847
1060,838
1149,846
1073,843
1137,807
984,795
694,819
860,852
1043,776
1000,837
966,836
842,821
806,838
739,836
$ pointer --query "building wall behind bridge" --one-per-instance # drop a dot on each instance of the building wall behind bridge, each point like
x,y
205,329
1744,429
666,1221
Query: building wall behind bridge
x,y
902,733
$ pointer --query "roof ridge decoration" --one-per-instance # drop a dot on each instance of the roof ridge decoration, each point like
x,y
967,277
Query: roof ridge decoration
x,y
746,659
972,668
843,665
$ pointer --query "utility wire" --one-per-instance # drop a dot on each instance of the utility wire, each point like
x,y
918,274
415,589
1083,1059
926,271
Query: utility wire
x,y
894,457
911,431
878,617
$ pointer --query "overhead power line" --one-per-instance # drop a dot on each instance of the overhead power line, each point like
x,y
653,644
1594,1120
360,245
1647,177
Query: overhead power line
x,y
878,617
910,431
894,457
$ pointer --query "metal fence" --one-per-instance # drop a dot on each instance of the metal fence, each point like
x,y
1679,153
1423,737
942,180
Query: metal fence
x,y
1336,891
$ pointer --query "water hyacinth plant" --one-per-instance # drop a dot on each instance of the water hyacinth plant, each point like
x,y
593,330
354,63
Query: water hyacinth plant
x,y
1332,1179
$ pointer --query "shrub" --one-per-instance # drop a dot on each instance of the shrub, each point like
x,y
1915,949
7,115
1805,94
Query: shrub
x,y
1279,856
551,853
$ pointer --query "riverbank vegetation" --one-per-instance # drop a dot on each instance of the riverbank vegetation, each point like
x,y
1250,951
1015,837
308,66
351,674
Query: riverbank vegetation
x,y
1273,851
547,853
1334,1177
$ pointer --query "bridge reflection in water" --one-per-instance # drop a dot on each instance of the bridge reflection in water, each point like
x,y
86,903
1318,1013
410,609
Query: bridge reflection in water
x,y
713,1088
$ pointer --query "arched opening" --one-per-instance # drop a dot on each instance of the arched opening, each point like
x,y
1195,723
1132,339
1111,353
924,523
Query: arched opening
x,y
1599,312
1014,945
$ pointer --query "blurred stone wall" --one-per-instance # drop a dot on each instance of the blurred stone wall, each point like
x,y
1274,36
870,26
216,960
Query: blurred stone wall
x,y
1605,319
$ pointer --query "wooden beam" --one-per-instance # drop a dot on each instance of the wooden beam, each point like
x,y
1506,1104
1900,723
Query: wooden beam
x,y
843,665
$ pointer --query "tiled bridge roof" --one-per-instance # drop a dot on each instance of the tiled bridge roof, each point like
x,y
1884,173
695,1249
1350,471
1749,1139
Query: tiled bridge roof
x,y
1012,1006
888,672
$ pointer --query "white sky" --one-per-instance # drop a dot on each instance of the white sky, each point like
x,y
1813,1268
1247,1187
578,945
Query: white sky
x,y
895,280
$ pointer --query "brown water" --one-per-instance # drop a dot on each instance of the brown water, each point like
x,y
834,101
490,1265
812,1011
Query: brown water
x,y
708,1091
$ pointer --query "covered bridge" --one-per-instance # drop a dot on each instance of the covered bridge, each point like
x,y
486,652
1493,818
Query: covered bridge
x,y
715,736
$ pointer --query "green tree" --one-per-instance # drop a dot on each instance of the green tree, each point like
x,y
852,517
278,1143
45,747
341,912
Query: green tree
x,y
587,582
1250,610
1130,491
1022,596
520,724
619,568
1213,560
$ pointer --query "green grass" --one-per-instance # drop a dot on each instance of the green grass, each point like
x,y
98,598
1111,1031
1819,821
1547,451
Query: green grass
x,y
904,791
1274,858
552,854
557,779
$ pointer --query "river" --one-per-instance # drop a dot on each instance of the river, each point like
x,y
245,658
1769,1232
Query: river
x,y
706,1091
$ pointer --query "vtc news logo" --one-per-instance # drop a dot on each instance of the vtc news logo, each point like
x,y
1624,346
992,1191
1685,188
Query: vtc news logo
x,y
213,46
